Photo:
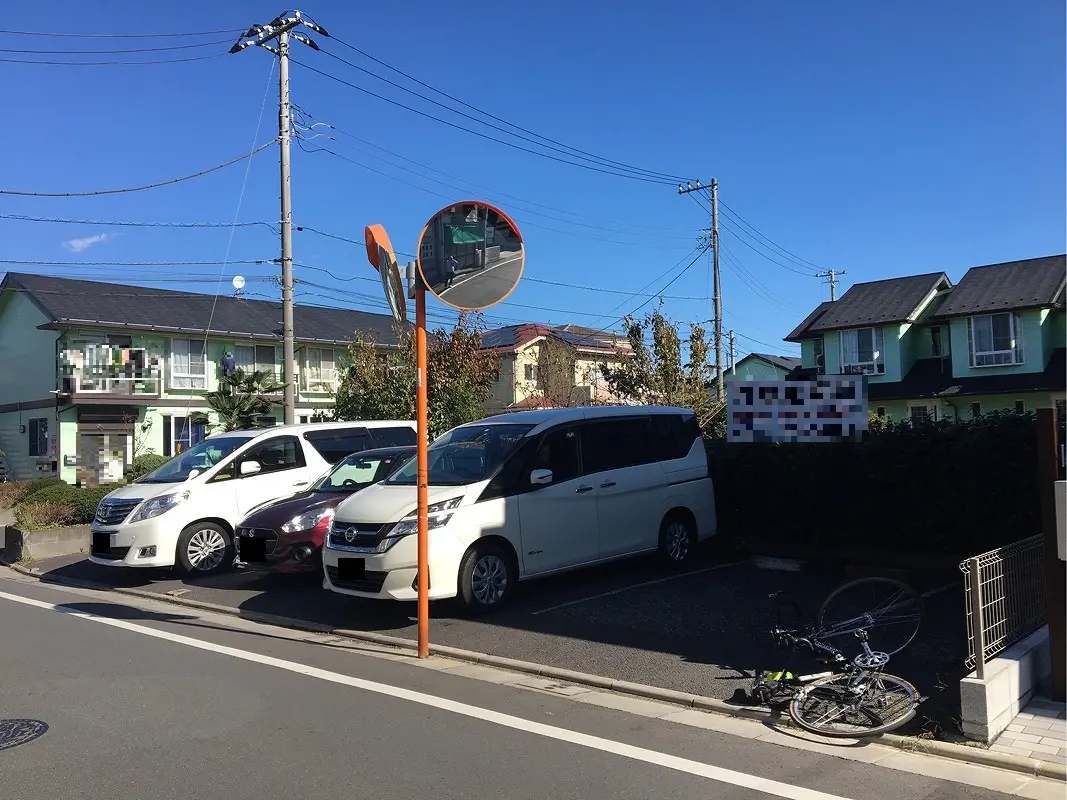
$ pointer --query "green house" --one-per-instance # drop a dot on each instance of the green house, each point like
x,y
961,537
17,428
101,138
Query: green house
x,y
93,374
994,341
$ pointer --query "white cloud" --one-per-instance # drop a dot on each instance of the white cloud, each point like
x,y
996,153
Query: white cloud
x,y
83,244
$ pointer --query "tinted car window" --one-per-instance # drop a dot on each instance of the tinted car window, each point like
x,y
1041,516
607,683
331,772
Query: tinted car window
x,y
277,454
336,444
558,452
673,434
393,437
616,444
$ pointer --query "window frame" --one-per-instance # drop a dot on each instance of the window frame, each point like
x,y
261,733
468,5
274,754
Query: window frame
x,y
937,345
877,364
191,376
1015,334
929,410
530,372
335,434
586,428
37,437
818,349
305,373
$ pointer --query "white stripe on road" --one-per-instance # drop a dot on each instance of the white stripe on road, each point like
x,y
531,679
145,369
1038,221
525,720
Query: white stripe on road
x,y
645,755
479,273
637,586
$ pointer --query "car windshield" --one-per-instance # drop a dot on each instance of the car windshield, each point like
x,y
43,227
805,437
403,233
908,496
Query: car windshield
x,y
200,457
465,455
357,471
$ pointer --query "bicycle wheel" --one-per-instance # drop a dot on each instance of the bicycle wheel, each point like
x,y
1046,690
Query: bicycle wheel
x,y
895,608
833,707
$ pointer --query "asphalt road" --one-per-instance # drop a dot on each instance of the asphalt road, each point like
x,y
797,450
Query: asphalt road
x,y
485,287
703,632
104,699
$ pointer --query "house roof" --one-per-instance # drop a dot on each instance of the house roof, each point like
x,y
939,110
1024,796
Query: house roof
x,y
515,337
879,302
800,330
932,377
1013,285
108,305
787,363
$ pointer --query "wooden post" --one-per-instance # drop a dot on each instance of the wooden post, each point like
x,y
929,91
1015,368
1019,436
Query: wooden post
x,y
1048,455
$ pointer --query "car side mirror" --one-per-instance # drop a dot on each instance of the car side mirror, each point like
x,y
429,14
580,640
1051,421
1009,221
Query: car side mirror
x,y
541,477
250,468
193,473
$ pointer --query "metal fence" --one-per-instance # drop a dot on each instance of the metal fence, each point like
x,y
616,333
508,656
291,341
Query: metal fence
x,y
1005,593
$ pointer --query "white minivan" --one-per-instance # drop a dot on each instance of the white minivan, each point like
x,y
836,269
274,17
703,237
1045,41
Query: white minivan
x,y
185,512
529,494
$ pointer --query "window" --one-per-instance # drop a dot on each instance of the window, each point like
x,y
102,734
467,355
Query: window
x,y
861,351
820,356
426,250
935,343
38,430
558,452
530,372
673,435
880,411
336,444
617,444
1061,409
923,413
188,365
995,340
467,454
319,372
180,435
277,454
253,358
976,410
400,436
1020,407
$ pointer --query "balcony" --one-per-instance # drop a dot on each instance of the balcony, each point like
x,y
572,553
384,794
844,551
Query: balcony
x,y
107,371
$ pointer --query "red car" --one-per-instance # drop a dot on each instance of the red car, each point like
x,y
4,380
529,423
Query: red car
x,y
287,535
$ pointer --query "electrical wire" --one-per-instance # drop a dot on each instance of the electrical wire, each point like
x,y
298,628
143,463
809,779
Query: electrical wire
x,y
553,145
741,238
122,35
36,263
786,253
474,132
115,52
146,186
131,224
110,63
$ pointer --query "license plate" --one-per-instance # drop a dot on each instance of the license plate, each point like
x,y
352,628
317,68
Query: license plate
x,y
101,544
351,569
252,548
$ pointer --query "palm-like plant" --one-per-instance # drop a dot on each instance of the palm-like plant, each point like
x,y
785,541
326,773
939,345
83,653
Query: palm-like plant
x,y
240,398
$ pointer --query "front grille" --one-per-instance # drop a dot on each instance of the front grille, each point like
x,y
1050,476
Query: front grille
x,y
114,554
357,534
113,512
269,535
372,582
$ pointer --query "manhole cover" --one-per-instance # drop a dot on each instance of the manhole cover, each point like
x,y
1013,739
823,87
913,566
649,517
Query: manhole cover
x,y
14,732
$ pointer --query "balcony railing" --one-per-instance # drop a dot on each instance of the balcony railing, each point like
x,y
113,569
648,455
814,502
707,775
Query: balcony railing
x,y
103,369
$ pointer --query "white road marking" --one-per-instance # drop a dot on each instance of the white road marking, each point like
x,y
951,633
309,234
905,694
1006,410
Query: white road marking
x,y
638,586
481,272
688,766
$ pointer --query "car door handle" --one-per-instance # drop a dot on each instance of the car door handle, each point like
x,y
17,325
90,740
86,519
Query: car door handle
x,y
582,489
301,483
607,484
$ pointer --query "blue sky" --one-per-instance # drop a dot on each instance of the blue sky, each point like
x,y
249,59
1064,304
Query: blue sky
x,y
880,139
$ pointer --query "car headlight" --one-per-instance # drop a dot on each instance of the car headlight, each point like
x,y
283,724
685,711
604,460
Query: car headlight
x,y
307,521
438,516
155,506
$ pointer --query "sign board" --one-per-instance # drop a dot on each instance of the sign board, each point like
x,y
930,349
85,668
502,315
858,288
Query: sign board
x,y
830,408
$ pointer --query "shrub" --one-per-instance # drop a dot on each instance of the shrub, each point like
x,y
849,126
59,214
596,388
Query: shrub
x,y
144,464
11,493
38,515
81,501
942,487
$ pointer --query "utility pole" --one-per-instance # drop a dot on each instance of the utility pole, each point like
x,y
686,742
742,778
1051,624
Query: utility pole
x,y
716,292
281,28
832,275
733,354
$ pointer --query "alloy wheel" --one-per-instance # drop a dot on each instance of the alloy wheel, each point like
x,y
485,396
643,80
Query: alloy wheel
x,y
206,550
489,580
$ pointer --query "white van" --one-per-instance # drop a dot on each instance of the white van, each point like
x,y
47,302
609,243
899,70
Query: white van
x,y
185,512
529,494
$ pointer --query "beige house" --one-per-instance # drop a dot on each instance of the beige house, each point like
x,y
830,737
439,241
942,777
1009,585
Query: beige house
x,y
536,360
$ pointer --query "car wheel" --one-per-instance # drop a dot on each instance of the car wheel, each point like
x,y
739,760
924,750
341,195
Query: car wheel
x,y
487,575
204,548
677,540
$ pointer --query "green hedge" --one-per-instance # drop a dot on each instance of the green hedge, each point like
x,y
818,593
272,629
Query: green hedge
x,y
145,463
944,487
80,501
13,491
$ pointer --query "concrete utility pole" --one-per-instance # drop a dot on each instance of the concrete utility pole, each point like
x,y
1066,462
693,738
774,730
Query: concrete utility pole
x,y
716,286
733,354
832,274
281,28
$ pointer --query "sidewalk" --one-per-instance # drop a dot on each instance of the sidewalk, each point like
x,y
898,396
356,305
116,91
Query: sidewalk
x,y
1040,731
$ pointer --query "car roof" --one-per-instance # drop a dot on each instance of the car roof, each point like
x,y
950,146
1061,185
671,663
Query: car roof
x,y
304,427
382,452
557,415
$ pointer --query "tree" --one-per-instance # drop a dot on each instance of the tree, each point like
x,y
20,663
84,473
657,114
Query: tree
x,y
381,384
657,374
556,362
241,397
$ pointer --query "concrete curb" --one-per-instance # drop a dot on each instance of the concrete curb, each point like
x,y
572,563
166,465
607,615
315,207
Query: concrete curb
x,y
911,744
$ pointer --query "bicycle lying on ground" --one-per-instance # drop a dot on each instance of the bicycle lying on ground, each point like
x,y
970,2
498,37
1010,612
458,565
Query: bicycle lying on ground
x,y
854,698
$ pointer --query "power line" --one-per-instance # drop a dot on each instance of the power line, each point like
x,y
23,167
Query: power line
x,y
131,224
121,35
478,133
784,265
116,52
146,186
792,256
765,344
132,263
558,147
110,63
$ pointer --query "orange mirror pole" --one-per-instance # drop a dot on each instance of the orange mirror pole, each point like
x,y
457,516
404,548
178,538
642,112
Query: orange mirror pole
x,y
423,478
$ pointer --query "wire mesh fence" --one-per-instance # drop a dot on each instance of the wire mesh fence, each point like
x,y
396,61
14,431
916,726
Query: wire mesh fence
x,y
1005,593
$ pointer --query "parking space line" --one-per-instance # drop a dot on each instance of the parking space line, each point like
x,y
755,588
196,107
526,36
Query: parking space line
x,y
637,586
